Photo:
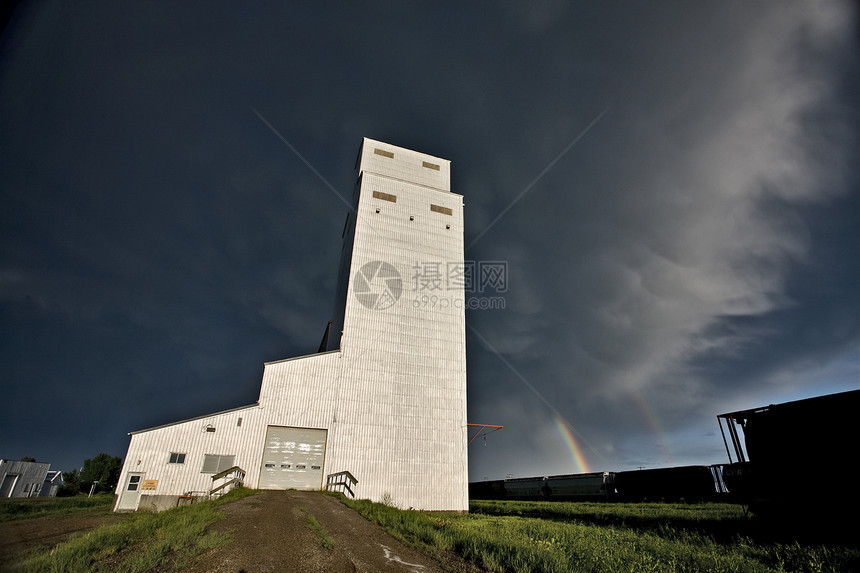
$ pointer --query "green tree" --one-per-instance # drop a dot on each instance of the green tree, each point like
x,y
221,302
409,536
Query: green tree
x,y
28,459
103,469
71,484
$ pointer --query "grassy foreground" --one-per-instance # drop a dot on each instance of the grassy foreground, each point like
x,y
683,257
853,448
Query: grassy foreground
x,y
559,537
141,542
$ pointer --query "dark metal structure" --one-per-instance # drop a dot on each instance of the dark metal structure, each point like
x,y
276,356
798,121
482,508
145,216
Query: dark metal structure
x,y
785,459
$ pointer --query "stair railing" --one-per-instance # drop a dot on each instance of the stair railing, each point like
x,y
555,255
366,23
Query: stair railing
x,y
233,477
343,480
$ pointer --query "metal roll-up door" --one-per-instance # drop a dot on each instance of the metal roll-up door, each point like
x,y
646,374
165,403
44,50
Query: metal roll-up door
x,y
293,458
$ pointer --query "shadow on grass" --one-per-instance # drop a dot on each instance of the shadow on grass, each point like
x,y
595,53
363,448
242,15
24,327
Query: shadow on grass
x,y
723,523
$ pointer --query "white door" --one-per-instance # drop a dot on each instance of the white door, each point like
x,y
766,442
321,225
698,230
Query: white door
x,y
293,458
131,492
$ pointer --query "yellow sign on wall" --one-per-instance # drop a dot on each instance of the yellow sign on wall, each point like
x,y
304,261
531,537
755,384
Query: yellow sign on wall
x,y
149,484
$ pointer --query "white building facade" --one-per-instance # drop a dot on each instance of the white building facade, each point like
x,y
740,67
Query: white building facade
x,y
385,400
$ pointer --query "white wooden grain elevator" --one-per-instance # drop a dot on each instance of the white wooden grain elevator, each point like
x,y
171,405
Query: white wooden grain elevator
x,y
384,400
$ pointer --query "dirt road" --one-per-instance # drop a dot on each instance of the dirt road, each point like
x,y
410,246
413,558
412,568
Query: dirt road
x,y
270,533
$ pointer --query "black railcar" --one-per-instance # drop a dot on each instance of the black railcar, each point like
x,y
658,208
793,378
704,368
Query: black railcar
x,y
683,483
494,489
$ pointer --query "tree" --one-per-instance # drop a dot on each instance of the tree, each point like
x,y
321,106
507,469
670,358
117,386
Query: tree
x,y
28,459
103,469
71,484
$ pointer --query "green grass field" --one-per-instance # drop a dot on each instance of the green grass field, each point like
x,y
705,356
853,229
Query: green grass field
x,y
556,537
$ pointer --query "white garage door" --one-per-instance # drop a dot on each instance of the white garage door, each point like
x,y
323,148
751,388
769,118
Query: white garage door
x,y
293,458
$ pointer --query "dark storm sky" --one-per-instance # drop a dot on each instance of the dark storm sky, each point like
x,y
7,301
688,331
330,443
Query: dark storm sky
x,y
674,187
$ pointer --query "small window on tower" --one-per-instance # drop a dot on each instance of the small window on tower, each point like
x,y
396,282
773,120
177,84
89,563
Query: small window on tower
x,y
176,458
385,196
383,153
429,165
443,210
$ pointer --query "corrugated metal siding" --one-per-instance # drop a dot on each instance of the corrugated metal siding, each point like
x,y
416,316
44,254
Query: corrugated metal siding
x,y
402,407
150,451
406,165
294,392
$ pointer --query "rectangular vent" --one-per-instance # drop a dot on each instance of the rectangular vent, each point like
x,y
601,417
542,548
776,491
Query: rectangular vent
x,y
383,153
385,196
440,209
429,165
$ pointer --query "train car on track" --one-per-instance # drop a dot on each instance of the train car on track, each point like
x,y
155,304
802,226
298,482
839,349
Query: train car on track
x,y
583,487
684,483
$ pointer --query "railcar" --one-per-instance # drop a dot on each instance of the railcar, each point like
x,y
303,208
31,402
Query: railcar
x,y
494,489
590,486
682,483
526,488
777,447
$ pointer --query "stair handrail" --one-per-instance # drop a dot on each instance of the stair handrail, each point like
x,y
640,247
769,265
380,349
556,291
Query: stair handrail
x,y
219,475
343,479
238,479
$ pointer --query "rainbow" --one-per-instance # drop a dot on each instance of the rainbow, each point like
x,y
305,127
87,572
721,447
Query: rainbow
x,y
572,444
648,412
